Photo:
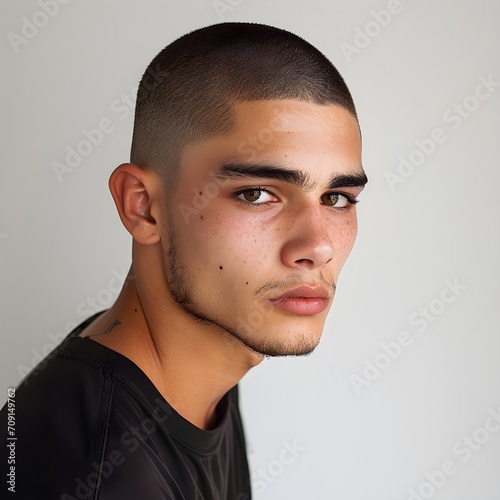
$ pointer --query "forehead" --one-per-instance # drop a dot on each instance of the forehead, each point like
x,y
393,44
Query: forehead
x,y
293,116
288,133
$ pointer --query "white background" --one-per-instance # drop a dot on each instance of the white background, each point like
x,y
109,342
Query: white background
x,y
61,242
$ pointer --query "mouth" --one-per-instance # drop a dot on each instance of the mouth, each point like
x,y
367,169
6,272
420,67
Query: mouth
x,y
303,300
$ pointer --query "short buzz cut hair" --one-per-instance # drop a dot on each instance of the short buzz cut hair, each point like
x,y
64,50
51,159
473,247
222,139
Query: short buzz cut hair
x,y
188,91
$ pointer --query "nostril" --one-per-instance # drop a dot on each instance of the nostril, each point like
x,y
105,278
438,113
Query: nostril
x,y
304,262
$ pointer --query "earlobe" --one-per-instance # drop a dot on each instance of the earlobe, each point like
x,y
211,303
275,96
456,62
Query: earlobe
x,y
132,191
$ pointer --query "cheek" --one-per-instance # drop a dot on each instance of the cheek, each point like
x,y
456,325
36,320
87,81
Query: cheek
x,y
344,238
351,227
352,233
215,237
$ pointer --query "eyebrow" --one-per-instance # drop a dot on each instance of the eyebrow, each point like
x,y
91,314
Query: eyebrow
x,y
292,176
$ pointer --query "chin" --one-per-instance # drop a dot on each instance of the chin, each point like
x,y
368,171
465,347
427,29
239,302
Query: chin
x,y
270,346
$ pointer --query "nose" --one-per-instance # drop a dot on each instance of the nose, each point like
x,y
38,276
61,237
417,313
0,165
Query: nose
x,y
309,243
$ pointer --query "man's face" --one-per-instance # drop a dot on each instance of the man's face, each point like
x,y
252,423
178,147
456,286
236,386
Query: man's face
x,y
262,222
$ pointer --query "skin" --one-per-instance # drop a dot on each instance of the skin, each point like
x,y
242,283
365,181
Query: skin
x,y
197,307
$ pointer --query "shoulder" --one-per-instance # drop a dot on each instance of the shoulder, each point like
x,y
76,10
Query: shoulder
x,y
61,412
68,385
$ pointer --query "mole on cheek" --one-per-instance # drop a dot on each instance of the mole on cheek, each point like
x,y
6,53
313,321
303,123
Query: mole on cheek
x,y
220,267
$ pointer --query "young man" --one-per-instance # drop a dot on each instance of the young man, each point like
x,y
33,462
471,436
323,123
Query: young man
x,y
240,198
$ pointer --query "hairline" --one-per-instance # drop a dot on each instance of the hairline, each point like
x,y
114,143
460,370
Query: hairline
x,y
169,177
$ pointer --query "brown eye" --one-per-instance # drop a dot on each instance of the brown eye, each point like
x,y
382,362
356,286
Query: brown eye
x,y
335,200
256,196
252,195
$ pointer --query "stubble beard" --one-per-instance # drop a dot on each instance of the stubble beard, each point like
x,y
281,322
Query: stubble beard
x,y
180,288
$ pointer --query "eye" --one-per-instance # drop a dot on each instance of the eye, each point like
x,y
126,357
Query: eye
x,y
256,196
338,200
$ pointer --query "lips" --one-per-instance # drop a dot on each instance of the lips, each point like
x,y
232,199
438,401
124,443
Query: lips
x,y
303,300
307,291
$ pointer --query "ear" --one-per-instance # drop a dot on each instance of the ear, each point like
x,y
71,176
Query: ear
x,y
132,189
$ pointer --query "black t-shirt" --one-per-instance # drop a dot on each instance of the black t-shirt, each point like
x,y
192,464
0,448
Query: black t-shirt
x,y
91,425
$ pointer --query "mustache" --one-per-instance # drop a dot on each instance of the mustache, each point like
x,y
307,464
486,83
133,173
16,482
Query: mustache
x,y
293,281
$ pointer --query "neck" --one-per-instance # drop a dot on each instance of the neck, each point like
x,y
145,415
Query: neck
x,y
191,364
